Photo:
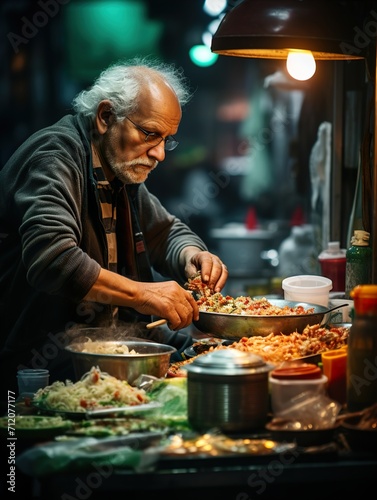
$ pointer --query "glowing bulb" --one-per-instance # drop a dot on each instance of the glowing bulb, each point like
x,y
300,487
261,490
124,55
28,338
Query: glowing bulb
x,y
301,64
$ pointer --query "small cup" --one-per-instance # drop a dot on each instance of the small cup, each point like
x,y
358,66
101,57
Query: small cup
x,y
30,380
335,368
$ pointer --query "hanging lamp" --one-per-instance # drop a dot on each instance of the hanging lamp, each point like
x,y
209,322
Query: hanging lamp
x,y
270,29
332,30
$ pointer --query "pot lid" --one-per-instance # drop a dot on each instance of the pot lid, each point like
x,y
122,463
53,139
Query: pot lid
x,y
228,362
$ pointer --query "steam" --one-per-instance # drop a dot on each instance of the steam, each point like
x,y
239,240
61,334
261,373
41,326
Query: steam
x,y
118,331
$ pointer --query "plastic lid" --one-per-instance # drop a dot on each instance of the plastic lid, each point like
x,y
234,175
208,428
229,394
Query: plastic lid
x,y
333,251
333,246
303,371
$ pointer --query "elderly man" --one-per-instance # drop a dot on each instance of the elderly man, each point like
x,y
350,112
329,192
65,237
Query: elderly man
x,y
81,234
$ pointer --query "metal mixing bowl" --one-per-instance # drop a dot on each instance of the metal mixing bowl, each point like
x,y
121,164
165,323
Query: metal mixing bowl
x,y
151,359
236,326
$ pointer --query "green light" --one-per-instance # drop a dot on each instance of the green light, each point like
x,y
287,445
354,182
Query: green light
x,y
99,33
202,56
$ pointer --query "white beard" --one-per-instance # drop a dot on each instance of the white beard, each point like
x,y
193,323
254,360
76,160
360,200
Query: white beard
x,y
134,171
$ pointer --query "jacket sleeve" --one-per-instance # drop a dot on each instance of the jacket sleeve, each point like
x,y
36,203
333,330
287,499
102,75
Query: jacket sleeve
x,y
165,236
51,225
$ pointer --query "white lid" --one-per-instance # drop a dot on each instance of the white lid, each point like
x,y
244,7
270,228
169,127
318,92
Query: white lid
x,y
333,251
333,247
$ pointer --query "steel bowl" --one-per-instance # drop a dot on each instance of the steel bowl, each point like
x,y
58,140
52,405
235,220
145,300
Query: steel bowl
x,y
150,359
236,326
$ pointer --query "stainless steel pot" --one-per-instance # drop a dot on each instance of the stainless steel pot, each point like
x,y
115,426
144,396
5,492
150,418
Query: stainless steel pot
x,y
228,389
151,359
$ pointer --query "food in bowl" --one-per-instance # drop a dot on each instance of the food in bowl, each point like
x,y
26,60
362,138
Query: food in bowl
x,y
35,427
219,303
96,390
233,318
248,306
278,348
150,358
98,347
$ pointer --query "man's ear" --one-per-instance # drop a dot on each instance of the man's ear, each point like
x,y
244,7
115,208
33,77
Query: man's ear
x,y
104,117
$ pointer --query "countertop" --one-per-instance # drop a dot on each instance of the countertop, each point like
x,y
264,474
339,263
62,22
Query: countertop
x,y
328,471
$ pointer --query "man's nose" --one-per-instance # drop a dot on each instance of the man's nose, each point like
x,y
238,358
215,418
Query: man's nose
x,y
158,152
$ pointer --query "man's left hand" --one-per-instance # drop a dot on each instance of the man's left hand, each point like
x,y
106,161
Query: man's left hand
x,y
213,271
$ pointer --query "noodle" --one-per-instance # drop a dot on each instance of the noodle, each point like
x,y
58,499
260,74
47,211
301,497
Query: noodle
x,y
96,347
95,390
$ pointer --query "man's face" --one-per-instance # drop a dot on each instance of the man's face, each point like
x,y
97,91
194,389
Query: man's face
x,y
134,147
128,159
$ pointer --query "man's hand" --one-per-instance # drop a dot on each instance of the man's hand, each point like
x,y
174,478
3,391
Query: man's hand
x,y
214,272
166,299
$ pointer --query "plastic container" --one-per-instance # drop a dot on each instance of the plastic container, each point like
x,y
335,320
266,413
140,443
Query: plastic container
x,y
286,384
334,365
333,265
307,288
358,262
362,350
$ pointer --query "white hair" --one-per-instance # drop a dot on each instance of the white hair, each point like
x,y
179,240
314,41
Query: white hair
x,y
121,84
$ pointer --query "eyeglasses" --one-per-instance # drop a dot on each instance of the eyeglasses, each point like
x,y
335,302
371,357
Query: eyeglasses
x,y
154,139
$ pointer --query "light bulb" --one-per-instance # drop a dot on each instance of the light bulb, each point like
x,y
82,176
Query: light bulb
x,y
301,64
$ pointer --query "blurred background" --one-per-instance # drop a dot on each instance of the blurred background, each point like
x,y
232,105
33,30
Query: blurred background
x,y
267,167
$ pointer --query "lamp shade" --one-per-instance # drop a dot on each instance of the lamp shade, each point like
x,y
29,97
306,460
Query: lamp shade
x,y
269,29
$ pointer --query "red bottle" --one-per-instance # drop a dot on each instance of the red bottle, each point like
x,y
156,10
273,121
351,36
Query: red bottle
x,y
333,265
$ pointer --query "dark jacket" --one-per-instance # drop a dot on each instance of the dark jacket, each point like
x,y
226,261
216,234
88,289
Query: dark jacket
x,y
53,243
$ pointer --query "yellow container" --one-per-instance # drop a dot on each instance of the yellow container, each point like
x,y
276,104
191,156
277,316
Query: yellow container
x,y
334,365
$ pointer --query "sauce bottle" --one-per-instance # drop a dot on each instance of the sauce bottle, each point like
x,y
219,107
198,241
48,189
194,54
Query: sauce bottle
x,y
362,350
358,261
333,265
